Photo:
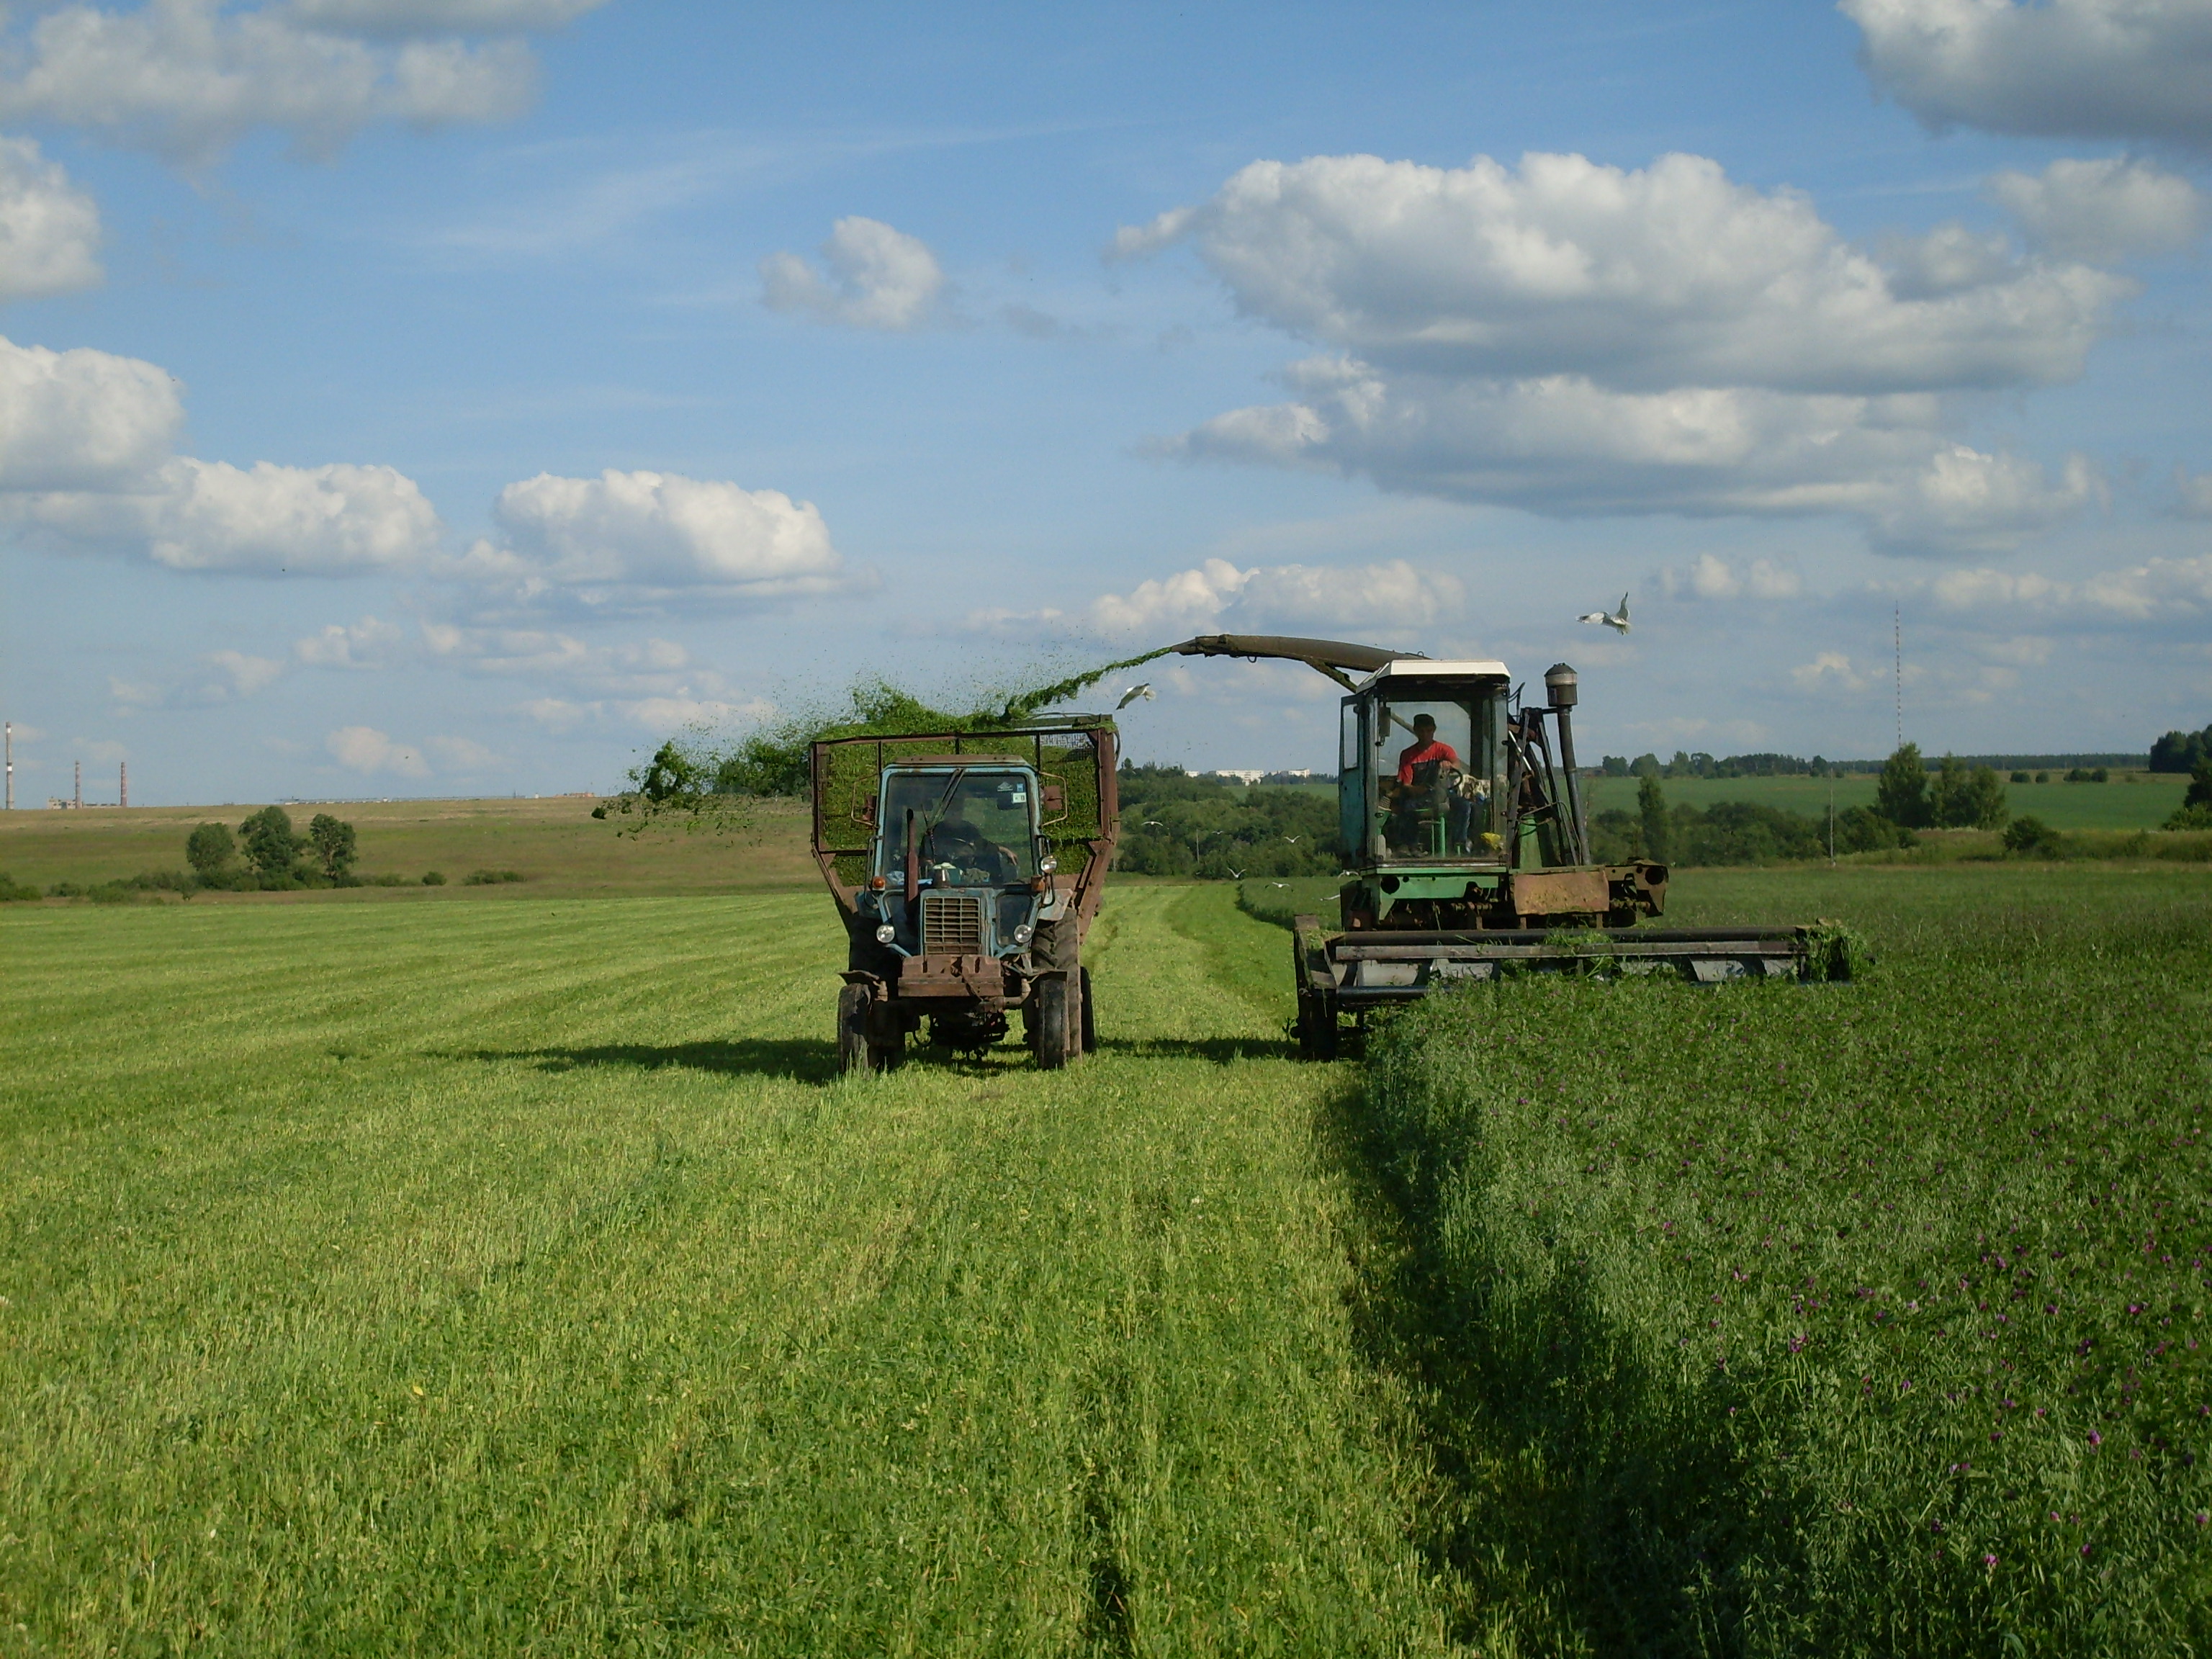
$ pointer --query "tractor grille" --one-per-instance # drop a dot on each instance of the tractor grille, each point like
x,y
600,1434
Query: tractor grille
x,y
952,924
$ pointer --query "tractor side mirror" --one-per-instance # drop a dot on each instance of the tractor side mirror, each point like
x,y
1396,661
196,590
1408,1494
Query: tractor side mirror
x,y
1053,798
867,811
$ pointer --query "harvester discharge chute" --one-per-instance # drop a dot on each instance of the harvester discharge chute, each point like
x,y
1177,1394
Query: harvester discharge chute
x,y
1466,846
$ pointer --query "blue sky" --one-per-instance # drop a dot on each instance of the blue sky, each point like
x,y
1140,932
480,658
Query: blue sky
x,y
461,396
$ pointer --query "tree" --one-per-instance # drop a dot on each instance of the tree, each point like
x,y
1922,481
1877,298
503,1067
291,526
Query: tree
x,y
1901,796
1963,799
1651,810
2199,785
269,842
2181,751
2031,838
333,842
1645,766
209,849
1985,799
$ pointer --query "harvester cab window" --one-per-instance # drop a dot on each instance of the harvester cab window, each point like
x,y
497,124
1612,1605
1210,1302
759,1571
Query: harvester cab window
x,y
1431,759
971,829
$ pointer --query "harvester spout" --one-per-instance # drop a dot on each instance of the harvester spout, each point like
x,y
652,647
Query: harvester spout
x,y
1329,657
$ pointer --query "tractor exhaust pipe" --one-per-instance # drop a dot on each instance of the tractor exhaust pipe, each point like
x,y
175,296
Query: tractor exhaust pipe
x,y
1562,686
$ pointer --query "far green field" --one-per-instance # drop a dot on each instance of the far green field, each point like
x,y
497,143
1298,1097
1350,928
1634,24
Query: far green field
x,y
2137,800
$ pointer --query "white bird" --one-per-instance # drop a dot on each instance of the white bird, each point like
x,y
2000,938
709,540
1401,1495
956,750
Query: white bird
x,y
1135,693
1619,623
1278,884
1154,823
1294,840
1237,875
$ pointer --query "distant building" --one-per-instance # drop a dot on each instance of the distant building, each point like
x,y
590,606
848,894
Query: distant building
x,y
1241,774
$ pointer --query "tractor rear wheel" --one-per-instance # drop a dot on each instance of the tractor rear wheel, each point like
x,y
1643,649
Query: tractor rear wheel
x,y
1057,1017
1090,1019
852,1048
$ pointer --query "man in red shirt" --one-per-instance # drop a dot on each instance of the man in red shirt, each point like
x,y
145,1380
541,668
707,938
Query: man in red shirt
x,y
1424,752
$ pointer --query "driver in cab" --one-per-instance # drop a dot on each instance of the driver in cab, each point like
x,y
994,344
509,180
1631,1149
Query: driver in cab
x,y
1425,768
955,839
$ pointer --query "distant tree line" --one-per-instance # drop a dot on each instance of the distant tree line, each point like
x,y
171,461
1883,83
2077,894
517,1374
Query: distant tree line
x,y
2181,751
1702,765
1175,824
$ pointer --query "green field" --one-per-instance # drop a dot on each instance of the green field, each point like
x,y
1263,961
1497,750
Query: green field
x,y
517,1276
2132,800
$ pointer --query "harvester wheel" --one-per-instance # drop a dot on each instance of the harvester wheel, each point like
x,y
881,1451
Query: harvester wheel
x,y
1090,1019
1316,1025
1057,1015
853,1053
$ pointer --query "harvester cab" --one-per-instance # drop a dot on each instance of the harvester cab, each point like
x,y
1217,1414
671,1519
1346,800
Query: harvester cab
x,y
1467,844
968,867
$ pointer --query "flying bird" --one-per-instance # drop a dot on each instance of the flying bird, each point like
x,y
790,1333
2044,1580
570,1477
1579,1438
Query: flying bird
x,y
1294,840
1618,622
1154,823
1237,875
1135,694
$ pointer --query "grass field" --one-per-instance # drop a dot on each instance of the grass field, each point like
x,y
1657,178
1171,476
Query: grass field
x,y
2137,801
515,1276
555,843
1864,1319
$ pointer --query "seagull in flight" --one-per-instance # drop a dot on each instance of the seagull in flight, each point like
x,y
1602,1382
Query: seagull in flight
x,y
1154,823
1238,874
1294,840
1135,694
1618,622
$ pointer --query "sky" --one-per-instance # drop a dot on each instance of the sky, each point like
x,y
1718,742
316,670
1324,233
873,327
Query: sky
x,y
463,396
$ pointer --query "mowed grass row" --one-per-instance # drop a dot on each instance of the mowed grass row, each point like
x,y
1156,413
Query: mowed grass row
x,y
501,1277
1837,1319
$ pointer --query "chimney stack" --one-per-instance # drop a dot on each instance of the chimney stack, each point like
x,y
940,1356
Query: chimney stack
x,y
76,791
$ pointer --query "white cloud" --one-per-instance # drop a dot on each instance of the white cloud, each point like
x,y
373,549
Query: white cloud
x,y
555,714
2158,590
1832,670
2195,490
81,419
1713,578
879,277
1582,339
462,755
657,533
367,644
1668,275
2084,68
246,674
651,665
1218,593
49,229
268,521
365,748
440,16
188,79
2103,211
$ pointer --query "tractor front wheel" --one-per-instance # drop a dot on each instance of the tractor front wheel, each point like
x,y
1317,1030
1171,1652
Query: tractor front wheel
x,y
853,1053
1059,1034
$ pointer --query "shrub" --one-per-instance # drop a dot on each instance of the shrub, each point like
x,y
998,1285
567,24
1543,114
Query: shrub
x,y
2030,837
434,879
1963,799
2020,777
269,841
2189,817
333,842
379,881
1651,814
490,878
15,892
209,848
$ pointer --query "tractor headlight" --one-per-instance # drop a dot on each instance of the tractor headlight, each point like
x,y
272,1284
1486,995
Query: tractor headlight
x,y
1048,864
1023,934
886,933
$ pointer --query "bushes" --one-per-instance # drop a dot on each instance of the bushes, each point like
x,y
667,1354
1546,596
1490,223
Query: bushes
x,y
1174,824
2030,837
15,892
490,878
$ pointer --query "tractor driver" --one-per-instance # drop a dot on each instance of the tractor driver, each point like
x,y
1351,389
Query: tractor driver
x,y
1423,767
953,839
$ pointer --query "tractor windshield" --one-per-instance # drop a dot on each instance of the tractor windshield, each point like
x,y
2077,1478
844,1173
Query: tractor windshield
x,y
1434,764
971,829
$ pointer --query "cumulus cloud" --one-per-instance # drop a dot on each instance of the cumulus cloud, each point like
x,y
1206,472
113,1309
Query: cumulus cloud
x,y
267,520
2103,211
81,419
2081,69
878,277
1832,671
1586,340
1714,578
1663,277
2194,490
651,533
366,750
49,229
218,677
2155,591
634,667
367,643
1220,595
187,79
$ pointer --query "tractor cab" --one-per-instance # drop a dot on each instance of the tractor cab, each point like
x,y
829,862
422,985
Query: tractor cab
x,y
1421,767
960,865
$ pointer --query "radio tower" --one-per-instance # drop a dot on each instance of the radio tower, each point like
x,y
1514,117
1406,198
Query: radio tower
x,y
123,784
1897,648
11,766
76,789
